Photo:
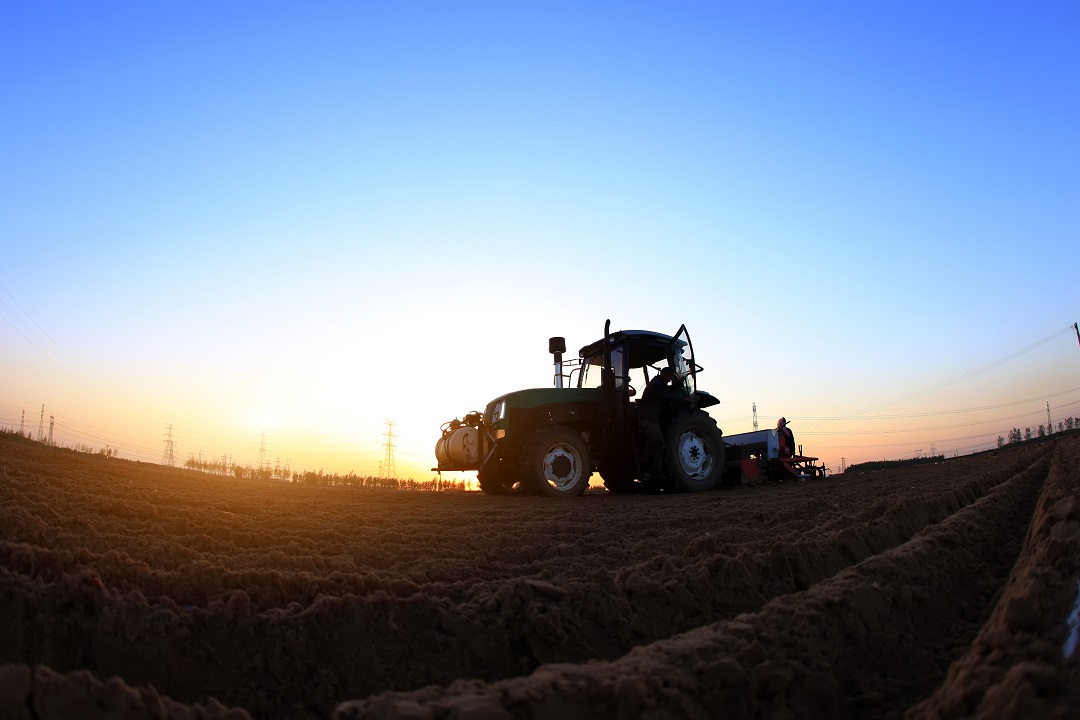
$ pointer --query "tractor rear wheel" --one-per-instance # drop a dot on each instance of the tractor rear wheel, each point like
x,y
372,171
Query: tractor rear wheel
x,y
555,462
694,452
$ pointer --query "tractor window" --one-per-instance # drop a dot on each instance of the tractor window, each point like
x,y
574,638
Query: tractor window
x,y
682,363
590,376
591,372
639,378
618,364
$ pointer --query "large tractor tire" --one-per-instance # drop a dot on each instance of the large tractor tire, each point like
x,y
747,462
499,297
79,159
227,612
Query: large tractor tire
x,y
694,452
555,462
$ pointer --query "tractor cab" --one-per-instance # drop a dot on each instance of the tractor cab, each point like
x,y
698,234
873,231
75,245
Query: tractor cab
x,y
634,357
621,365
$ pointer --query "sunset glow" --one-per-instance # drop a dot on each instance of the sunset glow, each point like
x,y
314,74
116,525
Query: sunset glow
x,y
272,231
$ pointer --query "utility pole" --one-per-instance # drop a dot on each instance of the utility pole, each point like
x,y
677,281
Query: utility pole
x,y
755,416
169,456
388,469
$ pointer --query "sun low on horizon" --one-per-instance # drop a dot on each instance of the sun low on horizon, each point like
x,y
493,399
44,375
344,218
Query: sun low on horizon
x,y
310,237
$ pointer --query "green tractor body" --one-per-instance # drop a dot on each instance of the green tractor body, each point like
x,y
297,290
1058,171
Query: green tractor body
x,y
549,441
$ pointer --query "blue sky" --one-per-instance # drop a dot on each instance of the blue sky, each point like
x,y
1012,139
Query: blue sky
x,y
332,214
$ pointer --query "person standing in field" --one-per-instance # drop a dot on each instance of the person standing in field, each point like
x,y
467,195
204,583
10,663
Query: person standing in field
x,y
786,438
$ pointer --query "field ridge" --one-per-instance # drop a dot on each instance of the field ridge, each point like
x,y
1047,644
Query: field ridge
x,y
287,601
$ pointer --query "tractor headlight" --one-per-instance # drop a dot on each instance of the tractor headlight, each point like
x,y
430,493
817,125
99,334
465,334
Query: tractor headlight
x,y
498,412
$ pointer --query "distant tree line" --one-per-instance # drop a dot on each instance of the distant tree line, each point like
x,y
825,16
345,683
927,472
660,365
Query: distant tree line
x,y
888,464
217,466
436,484
1016,436
283,473
107,451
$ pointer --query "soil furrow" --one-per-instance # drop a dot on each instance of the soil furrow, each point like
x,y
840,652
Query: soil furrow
x,y
287,599
861,644
1015,668
385,635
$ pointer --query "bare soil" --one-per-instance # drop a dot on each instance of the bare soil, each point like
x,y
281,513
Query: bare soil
x,y
940,591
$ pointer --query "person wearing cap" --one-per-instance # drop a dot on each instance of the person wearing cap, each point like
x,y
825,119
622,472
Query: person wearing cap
x,y
786,438
658,395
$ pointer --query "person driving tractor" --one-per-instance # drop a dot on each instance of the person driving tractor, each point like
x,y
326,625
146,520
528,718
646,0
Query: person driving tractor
x,y
658,396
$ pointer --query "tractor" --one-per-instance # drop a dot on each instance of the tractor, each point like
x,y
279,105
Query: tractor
x,y
549,441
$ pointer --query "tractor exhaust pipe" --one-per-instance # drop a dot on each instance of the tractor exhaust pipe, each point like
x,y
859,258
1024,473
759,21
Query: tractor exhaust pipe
x,y
557,346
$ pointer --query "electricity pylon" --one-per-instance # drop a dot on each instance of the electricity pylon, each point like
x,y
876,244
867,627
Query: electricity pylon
x,y
169,456
388,469
263,462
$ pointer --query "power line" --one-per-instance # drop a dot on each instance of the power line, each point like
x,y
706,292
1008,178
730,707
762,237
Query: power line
x,y
994,421
88,432
54,351
934,413
947,383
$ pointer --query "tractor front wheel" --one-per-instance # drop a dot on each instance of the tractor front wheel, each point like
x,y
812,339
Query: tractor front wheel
x,y
694,452
555,462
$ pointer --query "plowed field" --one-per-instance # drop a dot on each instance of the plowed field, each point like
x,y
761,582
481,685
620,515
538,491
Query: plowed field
x,y
133,590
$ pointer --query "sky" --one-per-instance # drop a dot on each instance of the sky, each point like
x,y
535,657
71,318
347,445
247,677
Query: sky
x,y
274,227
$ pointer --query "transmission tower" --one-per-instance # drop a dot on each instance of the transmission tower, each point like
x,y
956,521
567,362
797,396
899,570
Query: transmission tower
x,y
169,456
22,423
41,425
52,421
262,451
755,416
388,469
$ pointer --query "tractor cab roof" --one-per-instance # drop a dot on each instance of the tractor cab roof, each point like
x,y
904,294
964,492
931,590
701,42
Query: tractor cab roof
x,y
642,347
